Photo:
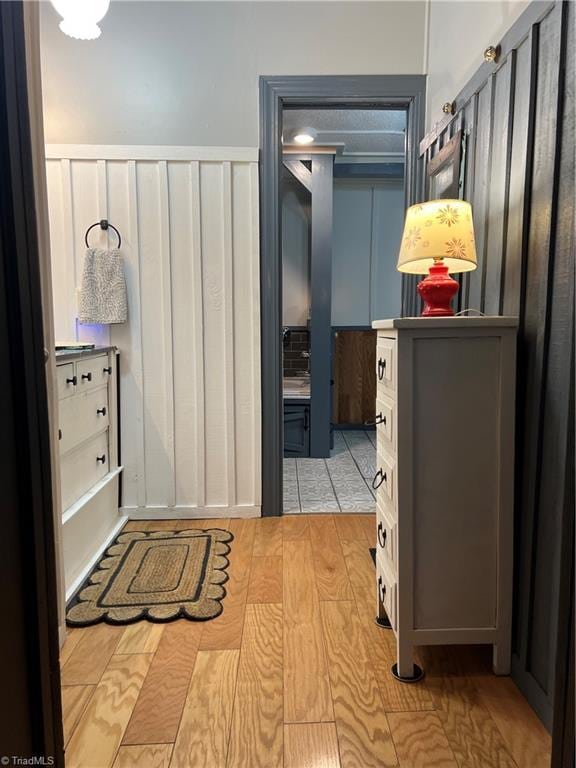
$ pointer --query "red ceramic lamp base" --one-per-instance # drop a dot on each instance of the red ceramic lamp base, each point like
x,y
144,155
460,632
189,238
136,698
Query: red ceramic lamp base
x,y
437,291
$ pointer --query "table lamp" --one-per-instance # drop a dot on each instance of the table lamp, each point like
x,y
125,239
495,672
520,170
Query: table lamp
x,y
438,239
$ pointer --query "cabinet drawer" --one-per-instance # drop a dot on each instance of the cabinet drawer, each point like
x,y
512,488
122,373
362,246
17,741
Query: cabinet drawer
x,y
386,422
66,380
386,544
384,479
387,591
92,373
82,468
83,416
385,364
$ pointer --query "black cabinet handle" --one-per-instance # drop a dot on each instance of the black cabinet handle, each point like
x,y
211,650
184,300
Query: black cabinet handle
x,y
380,419
72,381
101,459
59,434
379,478
382,533
381,589
306,419
381,368
101,411
87,376
107,370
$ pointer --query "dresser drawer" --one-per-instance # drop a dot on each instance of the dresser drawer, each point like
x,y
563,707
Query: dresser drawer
x,y
385,365
82,468
386,542
92,373
384,480
66,380
83,416
386,422
387,591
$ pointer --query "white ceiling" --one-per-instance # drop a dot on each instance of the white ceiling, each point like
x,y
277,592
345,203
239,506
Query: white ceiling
x,y
355,132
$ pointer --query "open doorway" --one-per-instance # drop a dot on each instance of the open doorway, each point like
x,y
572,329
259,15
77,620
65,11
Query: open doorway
x,y
343,202
345,104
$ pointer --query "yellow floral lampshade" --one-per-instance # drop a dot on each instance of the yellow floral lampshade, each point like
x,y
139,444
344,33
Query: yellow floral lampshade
x,y
438,230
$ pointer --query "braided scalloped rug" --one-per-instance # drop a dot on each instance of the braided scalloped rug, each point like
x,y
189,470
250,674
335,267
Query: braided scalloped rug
x,y
158,576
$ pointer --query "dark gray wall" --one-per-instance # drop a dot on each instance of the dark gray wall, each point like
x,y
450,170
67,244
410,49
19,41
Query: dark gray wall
x,y
518,115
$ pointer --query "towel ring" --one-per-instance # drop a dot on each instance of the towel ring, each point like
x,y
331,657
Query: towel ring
x,y
103,224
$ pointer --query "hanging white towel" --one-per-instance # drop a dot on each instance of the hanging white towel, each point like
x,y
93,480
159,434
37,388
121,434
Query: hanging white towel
x,y
103,293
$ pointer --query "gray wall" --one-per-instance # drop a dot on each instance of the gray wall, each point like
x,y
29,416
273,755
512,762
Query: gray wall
x,y
458,34
367,227
186,73
519,177
368,221
296,212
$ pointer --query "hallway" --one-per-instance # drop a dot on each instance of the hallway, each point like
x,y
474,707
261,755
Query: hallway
x,y
294,673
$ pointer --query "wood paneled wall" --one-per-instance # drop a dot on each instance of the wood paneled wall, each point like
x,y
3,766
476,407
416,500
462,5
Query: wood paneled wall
x,y
190,351
518,117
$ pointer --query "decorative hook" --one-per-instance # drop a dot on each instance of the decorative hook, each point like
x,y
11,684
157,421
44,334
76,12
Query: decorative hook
x,y
491,54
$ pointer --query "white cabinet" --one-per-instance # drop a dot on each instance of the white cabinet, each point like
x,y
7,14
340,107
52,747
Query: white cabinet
x,y
89,471
445,474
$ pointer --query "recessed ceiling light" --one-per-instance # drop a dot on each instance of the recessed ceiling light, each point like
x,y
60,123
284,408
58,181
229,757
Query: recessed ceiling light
x,y
80,17
305,136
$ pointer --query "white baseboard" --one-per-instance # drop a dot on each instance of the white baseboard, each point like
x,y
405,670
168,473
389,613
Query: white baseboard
x,y
78,581
189,513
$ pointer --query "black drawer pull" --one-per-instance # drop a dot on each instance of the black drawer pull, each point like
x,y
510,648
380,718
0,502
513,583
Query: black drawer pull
x,y
380,419
101,459
87,376
381,589
381,368
101,411
59,434
382,533
72,381
107,370
379,478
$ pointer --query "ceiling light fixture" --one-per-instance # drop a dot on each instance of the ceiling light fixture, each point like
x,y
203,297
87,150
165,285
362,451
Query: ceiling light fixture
x,y
305,136
80,17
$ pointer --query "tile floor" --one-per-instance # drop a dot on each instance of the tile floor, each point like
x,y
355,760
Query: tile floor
x,y
341,483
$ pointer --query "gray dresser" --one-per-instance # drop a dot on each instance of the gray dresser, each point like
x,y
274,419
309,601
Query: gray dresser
x,y
445,479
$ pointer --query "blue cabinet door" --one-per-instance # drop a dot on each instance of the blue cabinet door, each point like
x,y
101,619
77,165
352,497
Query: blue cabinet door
x,y
296,430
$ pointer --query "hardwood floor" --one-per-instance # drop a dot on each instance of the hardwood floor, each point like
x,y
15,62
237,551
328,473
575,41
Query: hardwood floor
x,y
293,674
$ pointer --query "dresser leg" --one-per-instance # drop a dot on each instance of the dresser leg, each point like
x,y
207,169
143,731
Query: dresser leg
x,y
405,670
501,658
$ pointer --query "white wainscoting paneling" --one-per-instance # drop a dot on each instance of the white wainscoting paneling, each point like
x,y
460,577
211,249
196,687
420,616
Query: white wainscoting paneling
x,y
190,351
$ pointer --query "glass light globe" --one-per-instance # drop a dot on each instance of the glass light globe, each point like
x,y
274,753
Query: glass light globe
x,y
306,136
80,17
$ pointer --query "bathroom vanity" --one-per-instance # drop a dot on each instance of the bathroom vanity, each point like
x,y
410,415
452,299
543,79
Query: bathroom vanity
x,y
296,397
89,457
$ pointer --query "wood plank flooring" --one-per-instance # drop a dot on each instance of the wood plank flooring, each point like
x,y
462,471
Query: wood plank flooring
x,y
293,674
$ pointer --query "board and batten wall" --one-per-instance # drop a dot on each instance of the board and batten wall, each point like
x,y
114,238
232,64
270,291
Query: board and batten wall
x,y
518,116
367,223
367,227
190,351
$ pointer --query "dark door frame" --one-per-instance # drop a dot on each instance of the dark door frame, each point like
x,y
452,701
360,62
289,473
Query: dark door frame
x,y
277,93
31,723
